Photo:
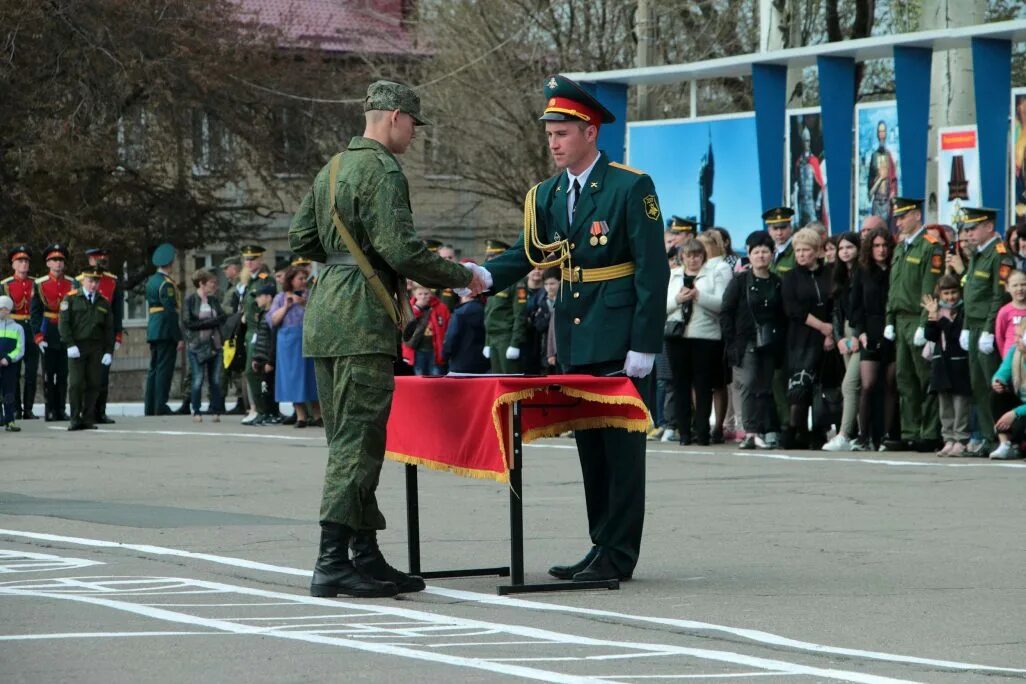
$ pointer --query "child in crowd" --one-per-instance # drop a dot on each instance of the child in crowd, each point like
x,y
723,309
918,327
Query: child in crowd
x,y
1011,314
12,348
1008,401
425,337
465,337
949,363
550,282
263,354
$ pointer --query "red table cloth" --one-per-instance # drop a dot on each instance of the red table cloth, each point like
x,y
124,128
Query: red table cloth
x,y
461,424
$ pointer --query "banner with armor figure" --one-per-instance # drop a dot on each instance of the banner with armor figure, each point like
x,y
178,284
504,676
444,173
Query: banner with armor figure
x,y
879,159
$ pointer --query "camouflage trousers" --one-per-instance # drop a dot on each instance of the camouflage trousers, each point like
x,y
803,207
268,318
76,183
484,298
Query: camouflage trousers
x,y
356,398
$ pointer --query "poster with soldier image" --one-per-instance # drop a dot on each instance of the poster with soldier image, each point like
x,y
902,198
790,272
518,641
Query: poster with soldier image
x,y
879,159
1018,190
806,170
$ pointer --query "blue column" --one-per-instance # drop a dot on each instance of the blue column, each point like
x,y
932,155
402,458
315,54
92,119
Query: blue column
x,y
837,102
769,82
992,80
912,68
612,136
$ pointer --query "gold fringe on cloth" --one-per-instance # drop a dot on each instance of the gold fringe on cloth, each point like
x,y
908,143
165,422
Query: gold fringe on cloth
x,y
435,465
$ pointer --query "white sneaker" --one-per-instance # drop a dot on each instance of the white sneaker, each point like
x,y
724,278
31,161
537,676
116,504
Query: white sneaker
x,y
838,443
1004,452
669,436
248,420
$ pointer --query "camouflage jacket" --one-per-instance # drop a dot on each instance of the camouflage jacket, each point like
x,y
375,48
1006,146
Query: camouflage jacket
x,y
372,197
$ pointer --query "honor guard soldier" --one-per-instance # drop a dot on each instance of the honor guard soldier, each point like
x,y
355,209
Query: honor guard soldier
x,y
984,293
255,274
50,290
779,224
350,330
917,263
110,289
87,329
163,331
600,222
504,320
19,288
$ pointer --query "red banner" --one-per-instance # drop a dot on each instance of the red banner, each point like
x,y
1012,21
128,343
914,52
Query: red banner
x,y
462,424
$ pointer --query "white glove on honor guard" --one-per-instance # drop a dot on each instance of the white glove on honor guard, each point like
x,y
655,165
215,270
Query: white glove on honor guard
x,y
638,365
73,352
476,270
486,352
986,343
106,359
963,340
889,333
919,339
512,353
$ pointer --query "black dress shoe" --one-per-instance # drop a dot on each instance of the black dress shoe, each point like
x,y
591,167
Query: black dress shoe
x,y
77,425
49,417
165,411
925,446
565,572
291,420
716,437
28,415
104,420
183,410
601,568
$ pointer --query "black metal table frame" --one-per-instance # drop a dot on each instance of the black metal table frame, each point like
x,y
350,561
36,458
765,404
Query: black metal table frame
x,y
515,570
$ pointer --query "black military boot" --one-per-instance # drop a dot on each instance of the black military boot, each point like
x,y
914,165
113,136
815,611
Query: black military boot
x,y
335,574
368,559
183,410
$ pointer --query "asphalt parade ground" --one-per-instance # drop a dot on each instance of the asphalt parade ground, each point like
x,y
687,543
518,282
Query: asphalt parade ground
x,y
160,550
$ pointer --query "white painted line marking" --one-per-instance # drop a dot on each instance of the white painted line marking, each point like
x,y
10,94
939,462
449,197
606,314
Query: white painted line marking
x,y
750,634
701,676
25,561
102,635
193,433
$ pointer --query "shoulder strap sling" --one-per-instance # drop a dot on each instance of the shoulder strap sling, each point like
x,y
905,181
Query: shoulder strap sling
x,y
391,303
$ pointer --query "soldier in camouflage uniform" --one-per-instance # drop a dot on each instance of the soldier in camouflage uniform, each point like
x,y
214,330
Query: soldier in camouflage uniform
x,y
917,263
504,320
984,294
351,336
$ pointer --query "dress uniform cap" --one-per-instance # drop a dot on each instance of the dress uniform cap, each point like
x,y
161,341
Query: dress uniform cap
x,y
974,216
389,96
249,251
19,252
231,261
90,272
495,246
55,251
683,225
97,252
300,261
778,215
163,255
266,289
902,205
281,263
432,244
565,100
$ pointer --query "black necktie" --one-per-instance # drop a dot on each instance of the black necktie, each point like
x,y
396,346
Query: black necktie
x,y
576,196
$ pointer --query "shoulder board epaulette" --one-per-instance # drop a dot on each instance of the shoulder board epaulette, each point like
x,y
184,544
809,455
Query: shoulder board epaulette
x,y
108,273
78,278
72,292
618,165
1000,247
42,279
7,279
929,237
261,275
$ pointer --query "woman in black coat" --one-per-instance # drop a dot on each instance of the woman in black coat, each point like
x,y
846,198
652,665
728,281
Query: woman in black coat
x,y
753,301
810,333
868,313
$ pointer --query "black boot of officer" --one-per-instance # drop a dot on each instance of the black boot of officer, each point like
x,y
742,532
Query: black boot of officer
x,y
368,559
335,574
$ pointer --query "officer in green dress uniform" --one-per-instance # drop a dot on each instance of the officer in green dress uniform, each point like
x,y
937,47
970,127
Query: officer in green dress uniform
x,y
350,333
87,329
917,263
109,287
163,331
231,303
600,222
504,319
682,228
259,274
778,223
984,294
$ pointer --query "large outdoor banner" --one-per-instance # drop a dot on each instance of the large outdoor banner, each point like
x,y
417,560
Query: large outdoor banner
x,y
1018,190
877,177
806,175
958,172
704,168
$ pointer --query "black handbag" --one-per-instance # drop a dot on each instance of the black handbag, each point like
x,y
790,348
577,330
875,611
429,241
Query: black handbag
x,y
674,330
765,333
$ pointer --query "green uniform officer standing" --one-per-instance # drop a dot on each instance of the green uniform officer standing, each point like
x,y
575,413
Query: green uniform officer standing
x,y
163,331
504,320
984,294
917,263
256,273
601,222
87,329
778,223
350,334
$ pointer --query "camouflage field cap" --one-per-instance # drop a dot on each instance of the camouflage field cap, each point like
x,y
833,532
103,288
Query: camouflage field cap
x,y
389,96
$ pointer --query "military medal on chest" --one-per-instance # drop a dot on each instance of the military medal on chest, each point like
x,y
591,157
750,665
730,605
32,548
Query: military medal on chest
x,y
599,233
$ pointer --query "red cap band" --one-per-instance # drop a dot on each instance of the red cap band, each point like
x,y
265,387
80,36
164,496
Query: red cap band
x,y
564,105
19,255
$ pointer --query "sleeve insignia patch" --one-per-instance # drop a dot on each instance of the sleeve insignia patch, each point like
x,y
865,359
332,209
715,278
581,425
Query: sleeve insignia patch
x,y
1003,272
652,207
936,261
64,305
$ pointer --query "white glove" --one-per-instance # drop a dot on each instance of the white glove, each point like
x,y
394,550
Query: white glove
x,y
73,352
106,359
474,268
638,365
42,345
117,346
889,333
919,339
512,353
986,343
486,352
963,340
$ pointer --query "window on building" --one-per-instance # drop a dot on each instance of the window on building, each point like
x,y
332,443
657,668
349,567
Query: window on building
x,y
291,141
211,144
132,139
